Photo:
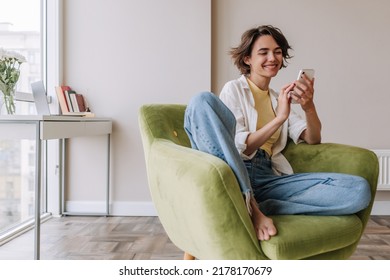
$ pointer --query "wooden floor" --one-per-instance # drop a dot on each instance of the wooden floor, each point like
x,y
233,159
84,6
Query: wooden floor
x,y
375,242
125,238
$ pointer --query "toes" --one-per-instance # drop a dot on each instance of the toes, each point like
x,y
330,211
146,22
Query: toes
x,y
263,234
266,233
272,231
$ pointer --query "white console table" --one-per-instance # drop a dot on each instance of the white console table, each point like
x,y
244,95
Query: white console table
x,y
42,128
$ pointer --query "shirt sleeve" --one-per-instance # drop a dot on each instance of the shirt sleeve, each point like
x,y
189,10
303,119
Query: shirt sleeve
x,y
230,97
296,125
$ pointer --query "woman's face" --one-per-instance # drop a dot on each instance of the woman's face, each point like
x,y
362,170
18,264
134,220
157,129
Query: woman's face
x,y
266,57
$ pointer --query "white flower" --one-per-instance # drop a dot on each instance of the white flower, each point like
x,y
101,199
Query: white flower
x,y
20,58
11,55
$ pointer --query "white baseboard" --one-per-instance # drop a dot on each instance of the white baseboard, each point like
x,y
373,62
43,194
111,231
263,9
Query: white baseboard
x,y
146,208
117,208
381,208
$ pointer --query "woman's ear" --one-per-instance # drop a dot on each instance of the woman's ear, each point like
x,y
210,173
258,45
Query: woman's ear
x,y
247,60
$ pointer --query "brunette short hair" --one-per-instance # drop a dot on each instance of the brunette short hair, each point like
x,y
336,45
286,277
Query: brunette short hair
x,y
249,37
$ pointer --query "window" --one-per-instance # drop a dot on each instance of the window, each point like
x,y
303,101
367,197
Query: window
x,y
20,31
20,25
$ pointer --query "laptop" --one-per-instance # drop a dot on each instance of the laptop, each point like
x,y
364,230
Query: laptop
x,y
42,105
40,98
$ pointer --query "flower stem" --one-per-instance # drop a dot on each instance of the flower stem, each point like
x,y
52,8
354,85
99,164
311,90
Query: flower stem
x,y
9,101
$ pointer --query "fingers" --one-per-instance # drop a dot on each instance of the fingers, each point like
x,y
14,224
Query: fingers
x,y
305,85
287,88
294,96
308,81
304,90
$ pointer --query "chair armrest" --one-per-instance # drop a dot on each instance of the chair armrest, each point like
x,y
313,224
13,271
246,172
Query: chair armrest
x,y
330,157
188,183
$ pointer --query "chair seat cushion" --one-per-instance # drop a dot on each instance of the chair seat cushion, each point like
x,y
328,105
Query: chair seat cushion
x,y
301,236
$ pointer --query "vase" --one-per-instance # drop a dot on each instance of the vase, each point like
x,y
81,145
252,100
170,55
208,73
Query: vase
x,y
7,103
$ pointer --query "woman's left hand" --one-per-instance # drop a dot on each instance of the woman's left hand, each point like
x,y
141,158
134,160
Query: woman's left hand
x,y
305,89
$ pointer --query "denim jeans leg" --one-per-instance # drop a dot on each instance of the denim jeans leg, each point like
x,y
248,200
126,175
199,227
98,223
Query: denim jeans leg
x,y
211,126
306,193
313,194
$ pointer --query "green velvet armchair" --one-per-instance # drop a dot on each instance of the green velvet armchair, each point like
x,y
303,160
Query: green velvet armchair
x,y
201,208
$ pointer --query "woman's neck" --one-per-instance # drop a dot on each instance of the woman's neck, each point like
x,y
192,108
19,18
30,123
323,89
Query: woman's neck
x,y
260,81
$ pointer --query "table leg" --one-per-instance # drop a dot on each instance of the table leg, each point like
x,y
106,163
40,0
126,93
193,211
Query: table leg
x,y
108,174
38,185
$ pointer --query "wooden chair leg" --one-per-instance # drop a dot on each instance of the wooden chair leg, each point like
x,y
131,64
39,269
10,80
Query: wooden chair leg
x,y
188,256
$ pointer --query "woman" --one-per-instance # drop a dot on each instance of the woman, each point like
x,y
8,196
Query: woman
x,y
257,121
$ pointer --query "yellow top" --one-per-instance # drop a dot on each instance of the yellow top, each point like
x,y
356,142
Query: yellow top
x,y
265,114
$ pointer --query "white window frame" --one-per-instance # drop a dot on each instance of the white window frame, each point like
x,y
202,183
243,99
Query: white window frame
x,y
51,65
52,43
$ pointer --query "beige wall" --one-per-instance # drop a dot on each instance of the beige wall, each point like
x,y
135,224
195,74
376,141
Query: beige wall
x,y
347,43
122,54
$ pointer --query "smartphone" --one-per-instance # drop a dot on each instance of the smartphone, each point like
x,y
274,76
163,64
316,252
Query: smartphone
x,y
309,73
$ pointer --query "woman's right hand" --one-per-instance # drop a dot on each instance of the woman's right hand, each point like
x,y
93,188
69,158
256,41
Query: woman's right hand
x,y
284,102
259,137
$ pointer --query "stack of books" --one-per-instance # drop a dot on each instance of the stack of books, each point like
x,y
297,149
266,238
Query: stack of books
x,y
71,102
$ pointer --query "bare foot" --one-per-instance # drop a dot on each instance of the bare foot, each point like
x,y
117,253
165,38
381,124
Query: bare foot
x,y
264,226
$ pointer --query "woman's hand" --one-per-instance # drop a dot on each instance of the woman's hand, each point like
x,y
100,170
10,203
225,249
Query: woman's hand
x,y
284,102
259,137
305,91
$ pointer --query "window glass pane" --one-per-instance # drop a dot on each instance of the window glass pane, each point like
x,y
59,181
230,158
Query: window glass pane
x,y
17,178
20,31
20,22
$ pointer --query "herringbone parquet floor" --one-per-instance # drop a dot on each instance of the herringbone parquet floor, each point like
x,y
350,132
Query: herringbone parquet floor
x,y
375,242
124,238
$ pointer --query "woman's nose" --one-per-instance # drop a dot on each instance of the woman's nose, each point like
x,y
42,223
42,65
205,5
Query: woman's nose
x,y
271,56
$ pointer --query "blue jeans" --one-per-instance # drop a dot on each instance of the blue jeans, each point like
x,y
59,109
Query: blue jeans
x,y
306,193
210,126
